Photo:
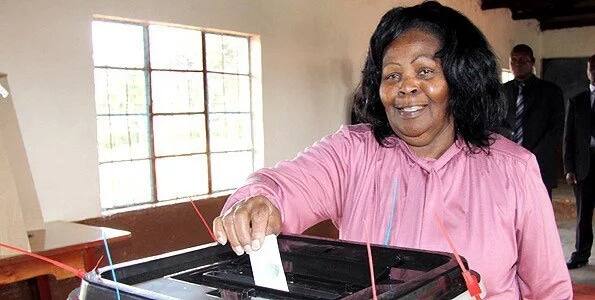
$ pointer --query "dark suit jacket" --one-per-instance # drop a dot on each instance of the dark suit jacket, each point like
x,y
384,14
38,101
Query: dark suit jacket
x,y
577,135
542,122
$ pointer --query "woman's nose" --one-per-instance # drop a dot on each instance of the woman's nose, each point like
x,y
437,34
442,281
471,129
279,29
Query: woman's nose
x,y
408,87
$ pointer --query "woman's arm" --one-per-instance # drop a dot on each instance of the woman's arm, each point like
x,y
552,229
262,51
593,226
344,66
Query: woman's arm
x,y
305,190
542,271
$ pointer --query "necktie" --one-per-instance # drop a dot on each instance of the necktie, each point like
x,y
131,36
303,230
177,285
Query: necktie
x,y
517,136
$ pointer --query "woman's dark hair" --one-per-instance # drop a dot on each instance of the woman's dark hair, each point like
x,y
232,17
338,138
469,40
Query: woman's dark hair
x,y
475,101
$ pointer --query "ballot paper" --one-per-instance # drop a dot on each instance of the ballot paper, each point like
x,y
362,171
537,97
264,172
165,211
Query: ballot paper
x,y
266,265
3,92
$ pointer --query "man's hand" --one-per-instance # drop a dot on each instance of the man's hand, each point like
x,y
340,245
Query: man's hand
x,y
246,224
570,178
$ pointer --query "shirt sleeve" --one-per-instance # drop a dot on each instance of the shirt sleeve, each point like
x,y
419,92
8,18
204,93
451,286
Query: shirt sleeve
x,y
568,147
308,189
541,267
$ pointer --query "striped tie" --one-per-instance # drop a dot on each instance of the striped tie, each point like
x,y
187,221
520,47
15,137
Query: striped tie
x,y
517,136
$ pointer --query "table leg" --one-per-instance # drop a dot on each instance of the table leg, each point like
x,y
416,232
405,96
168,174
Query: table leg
x,y
90,258
43,287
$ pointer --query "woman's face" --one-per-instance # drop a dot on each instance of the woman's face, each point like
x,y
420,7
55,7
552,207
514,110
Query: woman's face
x,y
414,93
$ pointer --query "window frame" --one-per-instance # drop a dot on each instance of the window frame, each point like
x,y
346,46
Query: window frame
x,y
150,115
507,71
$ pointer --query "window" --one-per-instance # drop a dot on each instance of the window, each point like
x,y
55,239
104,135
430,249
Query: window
x,y
506,76
174,112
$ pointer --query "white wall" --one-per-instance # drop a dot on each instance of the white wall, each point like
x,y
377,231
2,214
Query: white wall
x,y
575,42
312,55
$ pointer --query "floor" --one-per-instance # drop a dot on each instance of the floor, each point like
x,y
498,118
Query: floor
x,y
565,217
583,278
584,275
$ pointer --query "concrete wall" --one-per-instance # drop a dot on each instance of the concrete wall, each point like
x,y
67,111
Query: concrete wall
x,y
574,42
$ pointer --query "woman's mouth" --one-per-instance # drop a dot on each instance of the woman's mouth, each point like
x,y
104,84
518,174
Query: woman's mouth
x,y
410,112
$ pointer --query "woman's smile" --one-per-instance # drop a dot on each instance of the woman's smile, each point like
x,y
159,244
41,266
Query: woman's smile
x,y
411,112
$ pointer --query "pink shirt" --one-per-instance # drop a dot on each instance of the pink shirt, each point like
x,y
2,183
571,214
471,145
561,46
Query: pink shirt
x,y
495,207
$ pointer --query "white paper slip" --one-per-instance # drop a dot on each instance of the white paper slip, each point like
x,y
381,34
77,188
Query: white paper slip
x,y
266,265
3,92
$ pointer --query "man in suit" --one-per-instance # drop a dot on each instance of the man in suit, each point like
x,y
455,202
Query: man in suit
x,y
579,165
535,113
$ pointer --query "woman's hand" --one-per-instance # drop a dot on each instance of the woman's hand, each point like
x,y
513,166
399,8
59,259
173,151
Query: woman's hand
x,y
246,224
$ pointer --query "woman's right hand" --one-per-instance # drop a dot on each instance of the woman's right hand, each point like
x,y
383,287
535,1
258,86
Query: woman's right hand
x,y
246,223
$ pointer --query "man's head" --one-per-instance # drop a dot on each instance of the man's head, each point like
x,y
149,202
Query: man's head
x,y
521,61
591,69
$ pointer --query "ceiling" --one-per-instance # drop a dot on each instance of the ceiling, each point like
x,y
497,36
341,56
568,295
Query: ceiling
x,y
551,14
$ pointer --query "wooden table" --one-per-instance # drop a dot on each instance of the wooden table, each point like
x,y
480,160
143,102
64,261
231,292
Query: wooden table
x,y
74,244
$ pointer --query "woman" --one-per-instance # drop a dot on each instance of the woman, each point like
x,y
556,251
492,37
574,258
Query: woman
x,y
430,97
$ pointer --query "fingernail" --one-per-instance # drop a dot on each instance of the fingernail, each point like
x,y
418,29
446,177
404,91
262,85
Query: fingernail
x,y
248,248
255,245
238,250
221,240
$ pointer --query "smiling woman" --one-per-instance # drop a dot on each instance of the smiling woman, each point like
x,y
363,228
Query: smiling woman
x,y
452,55
414,93
431,105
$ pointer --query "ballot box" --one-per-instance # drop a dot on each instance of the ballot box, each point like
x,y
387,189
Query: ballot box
x,y
314,268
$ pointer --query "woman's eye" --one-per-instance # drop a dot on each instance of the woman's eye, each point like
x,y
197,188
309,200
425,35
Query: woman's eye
x,y
392,76
424,73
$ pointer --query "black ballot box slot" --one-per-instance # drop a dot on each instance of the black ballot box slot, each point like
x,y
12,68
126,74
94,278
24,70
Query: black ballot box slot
x,y
315,269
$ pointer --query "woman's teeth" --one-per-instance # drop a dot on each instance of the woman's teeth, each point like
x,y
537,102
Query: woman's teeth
x,y
411,108
411,112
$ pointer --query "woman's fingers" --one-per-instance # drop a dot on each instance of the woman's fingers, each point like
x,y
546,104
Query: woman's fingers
x,y
259,220
229,226
266,219
219,231
246,224
274,222
242,213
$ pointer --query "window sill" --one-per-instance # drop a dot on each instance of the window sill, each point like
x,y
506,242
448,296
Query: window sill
x,y
211,197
